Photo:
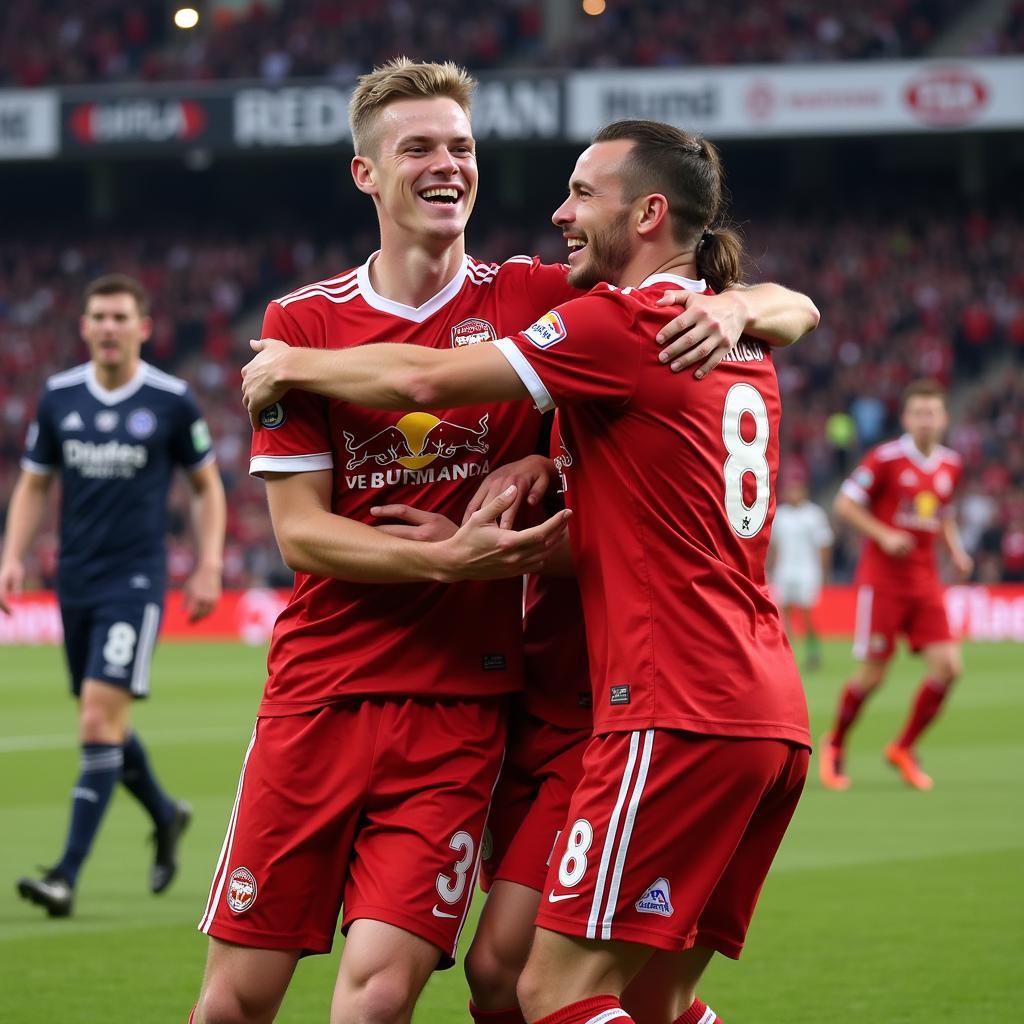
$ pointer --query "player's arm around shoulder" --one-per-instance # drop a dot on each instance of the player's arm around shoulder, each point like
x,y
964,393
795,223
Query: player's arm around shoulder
x,y
314,540
381,376
25,512
709,326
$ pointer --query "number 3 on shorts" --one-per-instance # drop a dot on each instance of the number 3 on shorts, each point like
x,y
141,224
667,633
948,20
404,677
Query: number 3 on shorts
x,y
574,861
451,889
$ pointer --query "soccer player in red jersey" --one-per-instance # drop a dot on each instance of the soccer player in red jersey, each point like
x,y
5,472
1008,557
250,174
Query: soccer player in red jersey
x,y
900,499
701,740
327,815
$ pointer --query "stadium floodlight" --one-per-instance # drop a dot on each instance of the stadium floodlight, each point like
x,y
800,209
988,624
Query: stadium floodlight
x,y
186,17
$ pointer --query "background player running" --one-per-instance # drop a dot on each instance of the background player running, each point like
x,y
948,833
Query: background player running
x,y
113,430
900,498
694,685
799,557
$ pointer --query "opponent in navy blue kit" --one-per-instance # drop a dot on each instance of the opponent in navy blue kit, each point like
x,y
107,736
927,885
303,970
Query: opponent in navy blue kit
x,y
114,429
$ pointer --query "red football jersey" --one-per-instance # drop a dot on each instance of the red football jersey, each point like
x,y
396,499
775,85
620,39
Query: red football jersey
x,y
557,671
557,677
339,639
671,482
908,491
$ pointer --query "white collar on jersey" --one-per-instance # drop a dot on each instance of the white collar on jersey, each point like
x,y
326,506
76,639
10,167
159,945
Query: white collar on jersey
x,y
101,394
925,463
416,314
683,282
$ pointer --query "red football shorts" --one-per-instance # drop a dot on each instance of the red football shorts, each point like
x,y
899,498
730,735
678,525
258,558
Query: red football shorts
x,y
883,613
377,805
669,838
543,765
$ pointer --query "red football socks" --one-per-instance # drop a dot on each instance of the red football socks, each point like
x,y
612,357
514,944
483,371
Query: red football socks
x,y
927,704
850,703
698,1013
511,1016
597,1010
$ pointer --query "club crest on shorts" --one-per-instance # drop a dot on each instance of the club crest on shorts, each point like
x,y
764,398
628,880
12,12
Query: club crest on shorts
x,y
656,899
241,890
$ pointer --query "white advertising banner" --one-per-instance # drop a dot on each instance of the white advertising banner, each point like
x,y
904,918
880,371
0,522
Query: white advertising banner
x,y
819,99
29,124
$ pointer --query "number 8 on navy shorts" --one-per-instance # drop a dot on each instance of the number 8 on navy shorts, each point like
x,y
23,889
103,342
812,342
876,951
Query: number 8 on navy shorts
x,y
111,642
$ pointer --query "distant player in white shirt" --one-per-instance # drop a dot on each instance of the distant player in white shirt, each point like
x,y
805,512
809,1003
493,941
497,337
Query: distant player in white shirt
x,y
798,561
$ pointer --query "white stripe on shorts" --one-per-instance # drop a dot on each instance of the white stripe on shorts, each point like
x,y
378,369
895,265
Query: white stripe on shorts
x,y
627,833
862,626
220,872
144,649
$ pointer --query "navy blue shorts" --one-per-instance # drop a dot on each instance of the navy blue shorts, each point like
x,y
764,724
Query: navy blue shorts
x,y
112,642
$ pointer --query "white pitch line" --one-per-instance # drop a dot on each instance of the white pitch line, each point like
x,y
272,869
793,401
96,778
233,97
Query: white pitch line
x,y
68,741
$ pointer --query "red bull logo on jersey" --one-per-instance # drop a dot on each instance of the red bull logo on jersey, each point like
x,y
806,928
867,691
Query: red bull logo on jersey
x,y
409,448
920,513
656,900
241,893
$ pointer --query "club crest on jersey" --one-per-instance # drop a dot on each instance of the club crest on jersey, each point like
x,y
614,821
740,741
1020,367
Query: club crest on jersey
x,y
472,332
943,483
656,899
241,893
107,420
140,423
547,331
273,416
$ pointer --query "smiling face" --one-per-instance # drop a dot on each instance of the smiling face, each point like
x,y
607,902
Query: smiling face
x,y
594,219
422,170
114,330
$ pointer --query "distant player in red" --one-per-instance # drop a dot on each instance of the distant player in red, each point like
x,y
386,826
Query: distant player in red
x,y
382,725
900,499
701,740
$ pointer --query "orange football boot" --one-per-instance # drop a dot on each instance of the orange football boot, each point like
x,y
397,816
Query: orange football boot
x,y
904,761
830,765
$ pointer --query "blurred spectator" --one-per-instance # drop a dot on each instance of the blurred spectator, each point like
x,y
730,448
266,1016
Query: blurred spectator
x,y
107,41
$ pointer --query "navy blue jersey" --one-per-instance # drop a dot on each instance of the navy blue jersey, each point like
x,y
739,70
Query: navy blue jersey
x,y
115,452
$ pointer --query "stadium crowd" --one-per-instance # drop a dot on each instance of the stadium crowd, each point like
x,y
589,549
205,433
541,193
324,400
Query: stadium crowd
x,y
104,41
900,299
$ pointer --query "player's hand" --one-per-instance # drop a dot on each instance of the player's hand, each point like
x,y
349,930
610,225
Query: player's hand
x,y
531,478
705,332
262,376
12,579
201,593
963,564
897,543
482,550
415,523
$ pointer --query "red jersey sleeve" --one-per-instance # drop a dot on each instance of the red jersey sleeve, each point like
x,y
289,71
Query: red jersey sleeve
x,y
582,351
294,436
864,484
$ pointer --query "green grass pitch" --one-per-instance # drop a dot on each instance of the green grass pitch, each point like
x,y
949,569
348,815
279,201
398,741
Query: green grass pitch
x,y
884,902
